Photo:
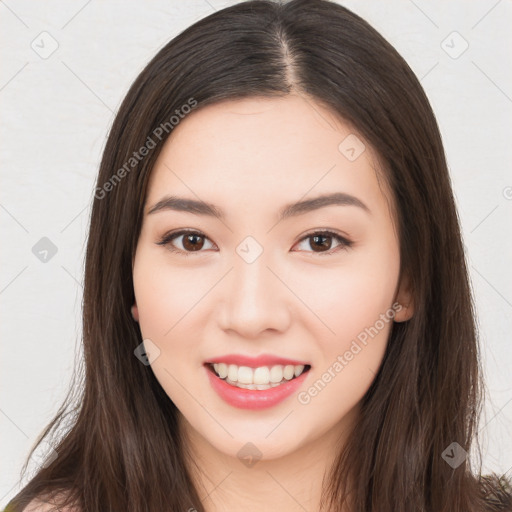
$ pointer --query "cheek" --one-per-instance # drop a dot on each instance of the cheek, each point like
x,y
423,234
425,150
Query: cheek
x,y
354,304
358,312
165,301
353,296
164,294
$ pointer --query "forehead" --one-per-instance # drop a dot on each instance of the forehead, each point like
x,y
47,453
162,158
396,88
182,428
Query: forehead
x,y
259,151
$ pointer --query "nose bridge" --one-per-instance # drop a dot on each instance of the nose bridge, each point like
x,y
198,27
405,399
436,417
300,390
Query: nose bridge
x,y
251,275
255,299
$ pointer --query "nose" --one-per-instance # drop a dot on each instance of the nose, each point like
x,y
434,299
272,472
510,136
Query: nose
x,y
254,299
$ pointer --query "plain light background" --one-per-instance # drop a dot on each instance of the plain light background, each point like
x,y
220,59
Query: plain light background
x,y
56,109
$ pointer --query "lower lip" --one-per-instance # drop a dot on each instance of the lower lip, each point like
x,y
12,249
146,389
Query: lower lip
x,y
254,399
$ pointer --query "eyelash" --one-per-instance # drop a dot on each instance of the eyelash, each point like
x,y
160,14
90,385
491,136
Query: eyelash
x,y
168,237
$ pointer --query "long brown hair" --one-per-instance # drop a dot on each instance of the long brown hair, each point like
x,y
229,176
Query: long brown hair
x,y
123,450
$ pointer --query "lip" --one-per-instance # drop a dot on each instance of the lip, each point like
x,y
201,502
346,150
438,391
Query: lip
x,y
253,399
255,362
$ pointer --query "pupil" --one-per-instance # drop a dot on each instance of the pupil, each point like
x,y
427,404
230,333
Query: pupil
x,y
317,237
188,239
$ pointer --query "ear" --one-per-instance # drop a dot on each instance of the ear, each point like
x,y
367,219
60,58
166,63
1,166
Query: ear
x,y
403,298
135,312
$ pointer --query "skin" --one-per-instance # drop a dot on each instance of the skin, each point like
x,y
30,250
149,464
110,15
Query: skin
x,y
251,157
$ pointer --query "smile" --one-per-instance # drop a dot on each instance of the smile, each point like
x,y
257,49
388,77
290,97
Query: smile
x,y
260,378
258,388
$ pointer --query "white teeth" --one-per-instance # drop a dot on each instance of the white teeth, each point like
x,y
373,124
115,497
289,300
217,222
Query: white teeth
x,y
245,375
288,372
222,370
262,376
232,372
276,373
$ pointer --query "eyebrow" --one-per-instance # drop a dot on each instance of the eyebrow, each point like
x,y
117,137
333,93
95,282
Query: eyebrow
x,y
182,204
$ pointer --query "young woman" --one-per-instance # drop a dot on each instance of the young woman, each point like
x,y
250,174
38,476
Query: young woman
x,y
276,312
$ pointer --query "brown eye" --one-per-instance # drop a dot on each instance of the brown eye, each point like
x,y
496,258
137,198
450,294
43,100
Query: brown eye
x,y
192,241
321,242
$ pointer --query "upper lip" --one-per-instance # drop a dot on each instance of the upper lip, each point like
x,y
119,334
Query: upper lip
x,y
255,362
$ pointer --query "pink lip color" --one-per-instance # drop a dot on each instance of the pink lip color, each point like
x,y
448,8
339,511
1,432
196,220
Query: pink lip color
x,y
255,362
254,399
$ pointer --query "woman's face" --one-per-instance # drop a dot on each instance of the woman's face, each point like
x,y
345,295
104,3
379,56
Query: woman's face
x,y
254,282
